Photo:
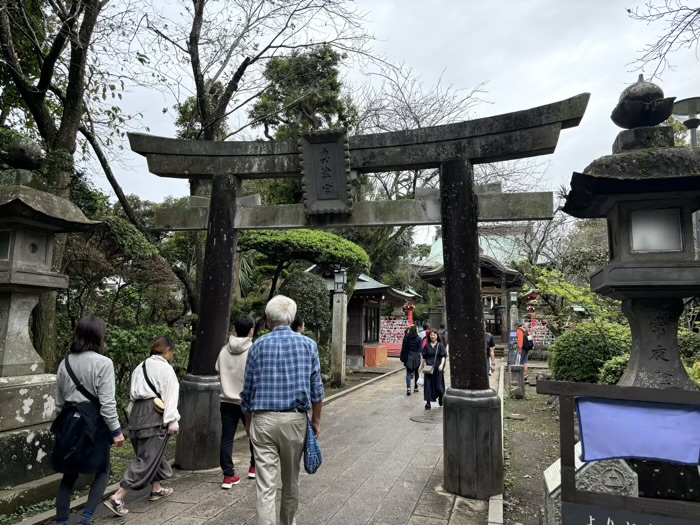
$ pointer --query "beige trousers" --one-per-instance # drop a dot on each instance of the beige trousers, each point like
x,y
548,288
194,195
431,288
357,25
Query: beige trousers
x,y
278,444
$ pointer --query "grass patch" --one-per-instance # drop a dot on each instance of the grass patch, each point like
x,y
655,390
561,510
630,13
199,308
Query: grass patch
x,y
530,447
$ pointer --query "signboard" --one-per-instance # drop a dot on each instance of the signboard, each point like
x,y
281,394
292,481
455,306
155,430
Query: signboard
x,y
325,168
574,514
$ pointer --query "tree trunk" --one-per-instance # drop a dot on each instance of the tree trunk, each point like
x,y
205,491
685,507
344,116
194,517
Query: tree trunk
x,y
43,326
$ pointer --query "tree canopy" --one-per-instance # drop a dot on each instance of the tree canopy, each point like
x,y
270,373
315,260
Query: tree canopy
x,y
318,247
304,93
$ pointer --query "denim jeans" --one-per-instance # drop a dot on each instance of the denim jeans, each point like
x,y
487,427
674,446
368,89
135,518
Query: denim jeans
x,y
410,374
488,365
231,414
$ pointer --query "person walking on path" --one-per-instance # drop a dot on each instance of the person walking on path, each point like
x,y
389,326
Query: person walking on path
x,y
490,345
443,335
434,358
425,330
87,418
153,419
298,326
282,382
411,357
231,367
524,347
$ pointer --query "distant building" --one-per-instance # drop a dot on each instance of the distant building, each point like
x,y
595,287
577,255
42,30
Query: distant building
x,y
366,326
498,245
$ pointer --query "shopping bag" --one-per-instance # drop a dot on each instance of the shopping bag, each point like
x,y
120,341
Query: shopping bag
x,y
312,452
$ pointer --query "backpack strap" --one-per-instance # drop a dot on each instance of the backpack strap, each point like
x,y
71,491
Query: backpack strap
x,y
90,396
148,380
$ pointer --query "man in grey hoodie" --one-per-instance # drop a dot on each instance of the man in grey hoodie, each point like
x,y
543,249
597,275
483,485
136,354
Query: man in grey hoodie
x,y
231,367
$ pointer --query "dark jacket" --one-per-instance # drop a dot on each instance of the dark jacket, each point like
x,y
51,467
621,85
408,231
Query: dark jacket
x,y
83,440
411,352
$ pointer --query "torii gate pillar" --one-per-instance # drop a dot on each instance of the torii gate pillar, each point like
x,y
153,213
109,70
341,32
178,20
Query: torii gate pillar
x,y
472,427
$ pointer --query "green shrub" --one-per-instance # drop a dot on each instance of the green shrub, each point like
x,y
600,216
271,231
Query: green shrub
x,y
613,369
694,372
324,354
689,345
311,295
579,354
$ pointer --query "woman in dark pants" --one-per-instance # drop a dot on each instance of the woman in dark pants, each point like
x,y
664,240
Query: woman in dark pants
x,y
411,357
434,356
153,419
86,393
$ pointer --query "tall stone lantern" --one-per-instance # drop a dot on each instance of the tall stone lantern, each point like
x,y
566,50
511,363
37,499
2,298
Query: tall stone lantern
x,y
647,191
29,220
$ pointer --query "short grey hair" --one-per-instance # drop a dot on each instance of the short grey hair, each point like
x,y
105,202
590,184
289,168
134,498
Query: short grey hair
x,y
281,309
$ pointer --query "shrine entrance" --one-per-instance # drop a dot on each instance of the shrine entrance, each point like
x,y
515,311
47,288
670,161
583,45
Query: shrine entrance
x,y
327,162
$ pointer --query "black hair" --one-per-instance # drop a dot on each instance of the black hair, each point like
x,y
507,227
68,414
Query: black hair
x,y
243,324
412,331
296,324
89,336
426,325
162,345
442,325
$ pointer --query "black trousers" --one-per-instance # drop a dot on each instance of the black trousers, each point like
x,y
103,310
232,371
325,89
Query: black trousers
x,y
231,414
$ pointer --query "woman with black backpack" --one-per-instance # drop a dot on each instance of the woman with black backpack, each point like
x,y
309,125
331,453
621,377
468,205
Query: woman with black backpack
x,y
87,425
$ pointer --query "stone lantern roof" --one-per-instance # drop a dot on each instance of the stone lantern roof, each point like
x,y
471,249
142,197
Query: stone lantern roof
x,y
654,170
22,204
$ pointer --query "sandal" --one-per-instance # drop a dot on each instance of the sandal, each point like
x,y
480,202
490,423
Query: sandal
x,y
164,492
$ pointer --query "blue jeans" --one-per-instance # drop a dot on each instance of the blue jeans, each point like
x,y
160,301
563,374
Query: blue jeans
x,y
231,414
409,376
488,365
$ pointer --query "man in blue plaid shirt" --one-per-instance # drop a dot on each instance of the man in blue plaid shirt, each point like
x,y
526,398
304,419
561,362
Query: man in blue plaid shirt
x,y
282,382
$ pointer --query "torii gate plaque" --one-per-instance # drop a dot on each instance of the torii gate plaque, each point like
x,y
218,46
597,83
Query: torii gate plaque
x,y
473,454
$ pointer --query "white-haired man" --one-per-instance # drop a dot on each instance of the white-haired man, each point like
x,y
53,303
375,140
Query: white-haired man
x,y
282,382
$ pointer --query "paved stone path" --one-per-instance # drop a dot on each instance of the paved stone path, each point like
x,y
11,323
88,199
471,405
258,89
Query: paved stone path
x,y
382,464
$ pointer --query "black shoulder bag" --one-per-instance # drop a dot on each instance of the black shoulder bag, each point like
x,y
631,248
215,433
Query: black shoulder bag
x,y
158,403
89,395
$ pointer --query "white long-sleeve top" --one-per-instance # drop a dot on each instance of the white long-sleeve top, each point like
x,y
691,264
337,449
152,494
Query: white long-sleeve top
x,y
164,379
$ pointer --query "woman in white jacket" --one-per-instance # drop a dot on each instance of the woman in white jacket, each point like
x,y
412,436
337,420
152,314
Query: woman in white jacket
x,y
231,367
154,418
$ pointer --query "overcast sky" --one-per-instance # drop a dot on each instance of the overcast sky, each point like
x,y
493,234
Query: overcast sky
x,y
530,52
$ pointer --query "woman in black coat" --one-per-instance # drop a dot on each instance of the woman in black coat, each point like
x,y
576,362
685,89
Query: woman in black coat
x,y
434,357
411,357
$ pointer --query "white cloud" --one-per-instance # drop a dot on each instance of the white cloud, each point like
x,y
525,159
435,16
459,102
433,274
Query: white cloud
x,y
530,53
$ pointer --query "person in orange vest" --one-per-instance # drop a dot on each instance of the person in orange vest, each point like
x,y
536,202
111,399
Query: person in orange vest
x,y
524,346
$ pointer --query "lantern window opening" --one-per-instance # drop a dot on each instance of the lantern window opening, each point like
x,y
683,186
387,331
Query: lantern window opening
x,y
656,230
5,238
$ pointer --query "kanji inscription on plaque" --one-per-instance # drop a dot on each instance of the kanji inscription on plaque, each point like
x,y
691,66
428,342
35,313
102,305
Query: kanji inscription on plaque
x,y
325,167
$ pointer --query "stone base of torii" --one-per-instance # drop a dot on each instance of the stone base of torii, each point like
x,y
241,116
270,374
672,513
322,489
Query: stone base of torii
x,y
472,421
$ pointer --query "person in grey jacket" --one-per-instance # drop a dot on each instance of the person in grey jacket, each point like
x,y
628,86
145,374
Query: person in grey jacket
x,y
95,374
231,366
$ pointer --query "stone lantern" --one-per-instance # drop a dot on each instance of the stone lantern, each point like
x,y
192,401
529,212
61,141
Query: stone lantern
x,y
29,220
647,191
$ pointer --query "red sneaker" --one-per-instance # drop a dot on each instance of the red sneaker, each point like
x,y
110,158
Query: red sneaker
x,y
230,481
251,472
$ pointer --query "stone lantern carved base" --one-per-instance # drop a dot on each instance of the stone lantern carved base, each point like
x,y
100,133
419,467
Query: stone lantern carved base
x,y
655,360
17,354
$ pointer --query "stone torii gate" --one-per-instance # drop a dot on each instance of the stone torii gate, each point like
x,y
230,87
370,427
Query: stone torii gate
x,y
472,418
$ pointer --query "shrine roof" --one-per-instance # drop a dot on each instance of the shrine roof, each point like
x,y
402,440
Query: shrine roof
x,y
366,285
